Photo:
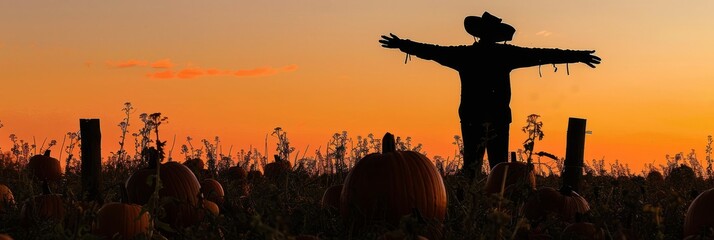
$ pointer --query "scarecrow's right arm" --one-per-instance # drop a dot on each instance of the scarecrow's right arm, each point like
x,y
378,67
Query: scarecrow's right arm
x,y
447,56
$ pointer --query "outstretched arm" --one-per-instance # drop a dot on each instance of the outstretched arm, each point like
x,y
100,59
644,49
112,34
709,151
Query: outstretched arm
x,y
527,57
446,56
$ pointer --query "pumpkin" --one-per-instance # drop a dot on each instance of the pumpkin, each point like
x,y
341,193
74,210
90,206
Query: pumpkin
x,y
236,173
582,230
391,184
254,174
211,207
47,206
5,237
565,203
178,183
122,219
198,168
681,176
331,197
44,167
277,169
6,197
698,218
195,164
655,178
212,190
514,172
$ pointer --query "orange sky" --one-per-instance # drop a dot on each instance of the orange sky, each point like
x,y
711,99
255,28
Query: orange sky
x,y
237,69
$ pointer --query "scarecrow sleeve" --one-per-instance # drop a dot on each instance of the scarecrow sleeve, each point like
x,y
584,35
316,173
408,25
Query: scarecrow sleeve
x,y
445,55
528,57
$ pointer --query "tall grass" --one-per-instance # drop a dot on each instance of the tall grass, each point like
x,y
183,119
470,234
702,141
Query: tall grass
x,y
620,199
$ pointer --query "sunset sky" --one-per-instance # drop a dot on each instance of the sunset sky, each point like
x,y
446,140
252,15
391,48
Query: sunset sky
x,y
238,69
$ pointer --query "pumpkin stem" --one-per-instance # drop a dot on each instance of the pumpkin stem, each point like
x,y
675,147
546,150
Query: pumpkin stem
x,y
277,158
388,143
47,153
46,188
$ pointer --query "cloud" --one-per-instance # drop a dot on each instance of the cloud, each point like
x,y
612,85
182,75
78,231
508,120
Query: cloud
x,y
191,72
544,33
256,72
163,63
127,64
290,68
217,72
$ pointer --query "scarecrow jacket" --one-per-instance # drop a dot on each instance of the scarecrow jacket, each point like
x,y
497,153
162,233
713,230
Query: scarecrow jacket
x,y
485,70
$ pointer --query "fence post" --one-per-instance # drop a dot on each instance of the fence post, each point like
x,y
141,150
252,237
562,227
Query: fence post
x,y
574,153
91,159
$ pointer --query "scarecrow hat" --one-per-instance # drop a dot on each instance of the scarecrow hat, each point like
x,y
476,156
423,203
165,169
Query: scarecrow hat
x,y
489,27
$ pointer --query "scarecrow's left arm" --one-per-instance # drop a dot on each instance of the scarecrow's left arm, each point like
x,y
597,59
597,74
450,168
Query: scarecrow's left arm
x,y
528,57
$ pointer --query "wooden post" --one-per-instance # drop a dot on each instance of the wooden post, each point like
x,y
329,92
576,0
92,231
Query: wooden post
x,y
91,159
574,153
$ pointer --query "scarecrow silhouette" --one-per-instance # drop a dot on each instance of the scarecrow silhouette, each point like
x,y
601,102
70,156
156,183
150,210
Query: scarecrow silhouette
x,y
484,69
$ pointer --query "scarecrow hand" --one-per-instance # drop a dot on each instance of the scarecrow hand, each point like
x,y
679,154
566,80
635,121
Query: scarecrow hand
x,y
391,42
588,58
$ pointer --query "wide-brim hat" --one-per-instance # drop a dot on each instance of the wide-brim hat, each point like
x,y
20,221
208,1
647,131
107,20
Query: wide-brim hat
x,y
488,26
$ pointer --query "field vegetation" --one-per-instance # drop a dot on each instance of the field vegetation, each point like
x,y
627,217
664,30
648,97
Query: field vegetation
x,y
285,200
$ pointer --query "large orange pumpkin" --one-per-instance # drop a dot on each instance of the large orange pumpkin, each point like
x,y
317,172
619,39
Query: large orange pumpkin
x,y
565,203
699,214
178,183
388,185
45,168
47,206
6,197
122,219
514,172
5,237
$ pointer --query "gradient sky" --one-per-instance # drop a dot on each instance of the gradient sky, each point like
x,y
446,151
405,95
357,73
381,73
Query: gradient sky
x,y
238,69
